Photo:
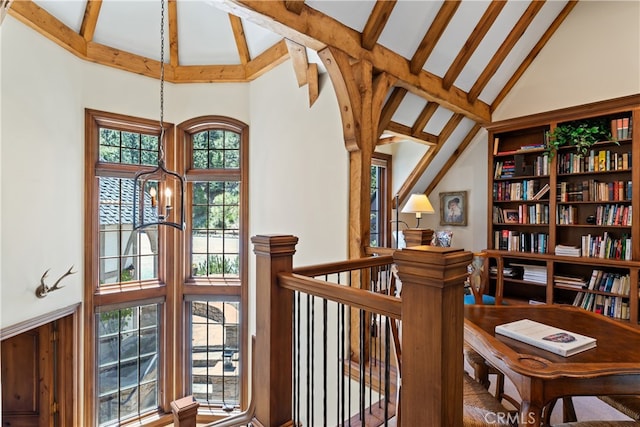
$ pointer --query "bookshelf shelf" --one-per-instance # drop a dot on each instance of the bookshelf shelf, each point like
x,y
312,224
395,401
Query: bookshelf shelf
x,y
586,210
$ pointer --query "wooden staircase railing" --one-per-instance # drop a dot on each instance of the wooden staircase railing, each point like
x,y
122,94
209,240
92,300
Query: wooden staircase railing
x,y
431,312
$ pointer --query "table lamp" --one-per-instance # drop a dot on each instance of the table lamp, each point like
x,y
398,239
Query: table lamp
x,y
418,204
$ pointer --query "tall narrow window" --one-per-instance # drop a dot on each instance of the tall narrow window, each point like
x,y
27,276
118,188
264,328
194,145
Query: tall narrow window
x,y
216,173
165,308
380,200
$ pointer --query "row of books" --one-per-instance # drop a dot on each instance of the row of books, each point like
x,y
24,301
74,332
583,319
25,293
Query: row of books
x,y
521,166
606,246
614,215
594,191
528,189
606,281
596,161
611,215
513,240
533,273
614,307
622,128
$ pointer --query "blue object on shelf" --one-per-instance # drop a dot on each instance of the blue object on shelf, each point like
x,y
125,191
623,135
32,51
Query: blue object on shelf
x,y
486,299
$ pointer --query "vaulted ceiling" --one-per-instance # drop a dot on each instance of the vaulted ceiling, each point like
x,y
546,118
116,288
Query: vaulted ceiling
x,y
454,61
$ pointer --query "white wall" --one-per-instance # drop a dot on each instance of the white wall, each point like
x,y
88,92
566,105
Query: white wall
x,y
593,56
298,164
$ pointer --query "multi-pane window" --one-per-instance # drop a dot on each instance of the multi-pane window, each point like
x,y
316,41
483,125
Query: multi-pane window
x,y
380,195
128,359
216,173
215,351
215,226
168,315
125,254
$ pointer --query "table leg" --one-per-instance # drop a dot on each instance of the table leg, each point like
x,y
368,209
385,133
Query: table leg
x,y
530,414
568,411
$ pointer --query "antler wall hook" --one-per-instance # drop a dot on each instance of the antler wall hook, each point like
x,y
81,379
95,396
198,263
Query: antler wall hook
x,y
43,290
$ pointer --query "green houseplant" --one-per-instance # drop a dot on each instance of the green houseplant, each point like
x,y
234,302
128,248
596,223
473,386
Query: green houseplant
x,y
581,134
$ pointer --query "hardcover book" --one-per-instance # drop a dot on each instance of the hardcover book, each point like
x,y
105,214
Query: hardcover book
x,y
555,340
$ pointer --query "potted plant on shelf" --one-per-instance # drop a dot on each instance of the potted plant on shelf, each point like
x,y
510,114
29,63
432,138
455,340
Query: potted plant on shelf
x,y
580,134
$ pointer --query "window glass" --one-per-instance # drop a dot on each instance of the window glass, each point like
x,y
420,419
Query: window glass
x,y
127,354
118,146
125,255
215,363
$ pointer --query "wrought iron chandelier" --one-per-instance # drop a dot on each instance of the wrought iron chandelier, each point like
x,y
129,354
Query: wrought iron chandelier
x,y
153,189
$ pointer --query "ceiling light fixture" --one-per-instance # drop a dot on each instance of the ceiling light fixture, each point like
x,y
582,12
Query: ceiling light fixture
x,y
153,189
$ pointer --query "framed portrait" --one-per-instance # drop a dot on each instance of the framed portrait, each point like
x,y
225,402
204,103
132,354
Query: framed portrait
x,y
511,216
453,208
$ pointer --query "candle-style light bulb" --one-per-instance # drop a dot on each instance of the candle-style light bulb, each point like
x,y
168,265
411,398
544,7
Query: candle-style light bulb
x,y
152,193
167,193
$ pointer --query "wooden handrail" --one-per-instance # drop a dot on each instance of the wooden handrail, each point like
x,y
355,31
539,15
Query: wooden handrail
x,y
431,311
343,266
354,297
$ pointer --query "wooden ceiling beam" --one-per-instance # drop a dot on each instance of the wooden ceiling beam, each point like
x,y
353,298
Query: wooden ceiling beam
x,y
90,19
422,137
316,31
431,37
173,33
312,83
298,54
484,25
534,53
376,22
294,6
397,137
427,158
390,107
424,117
267,60
505,48
50,27
240,38
453,158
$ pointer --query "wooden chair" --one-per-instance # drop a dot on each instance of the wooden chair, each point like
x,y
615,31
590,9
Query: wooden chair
x,y
480,407
628,405
477,285
599,424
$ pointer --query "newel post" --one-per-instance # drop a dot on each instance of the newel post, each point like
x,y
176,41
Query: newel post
x,y
274,311
432,334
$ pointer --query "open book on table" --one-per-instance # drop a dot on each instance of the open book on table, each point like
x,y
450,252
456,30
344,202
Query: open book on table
x,y
546,337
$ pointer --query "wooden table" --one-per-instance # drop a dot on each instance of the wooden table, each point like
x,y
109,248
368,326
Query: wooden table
x,y
540,377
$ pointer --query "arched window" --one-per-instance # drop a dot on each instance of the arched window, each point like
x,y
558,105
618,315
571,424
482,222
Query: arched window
x,y
165,309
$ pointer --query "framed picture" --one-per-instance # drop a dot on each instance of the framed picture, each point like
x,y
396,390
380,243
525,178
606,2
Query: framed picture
x,y
453,208
511,216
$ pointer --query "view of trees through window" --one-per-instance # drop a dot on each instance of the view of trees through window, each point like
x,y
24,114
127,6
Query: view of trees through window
x,y
129,341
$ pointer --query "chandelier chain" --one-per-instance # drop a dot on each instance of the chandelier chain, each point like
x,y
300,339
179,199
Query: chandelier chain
x,y
162,81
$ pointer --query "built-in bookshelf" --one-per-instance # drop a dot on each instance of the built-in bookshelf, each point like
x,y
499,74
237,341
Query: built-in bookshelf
x,y
567,213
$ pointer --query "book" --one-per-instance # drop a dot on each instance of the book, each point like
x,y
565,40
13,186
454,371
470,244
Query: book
x,y
546,337
542,192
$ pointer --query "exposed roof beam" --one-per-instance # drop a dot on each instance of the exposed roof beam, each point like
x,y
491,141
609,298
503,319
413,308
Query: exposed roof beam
x,y
312,83
390,107
294,6
376,22
90,19
240,38
401,129
452,159
440,22
428,157
397,137
298,54
173,33
534,52
470,46
316,30
424,117
504,49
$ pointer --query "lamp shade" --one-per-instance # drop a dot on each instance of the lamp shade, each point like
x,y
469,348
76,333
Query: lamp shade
x,y
418,203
